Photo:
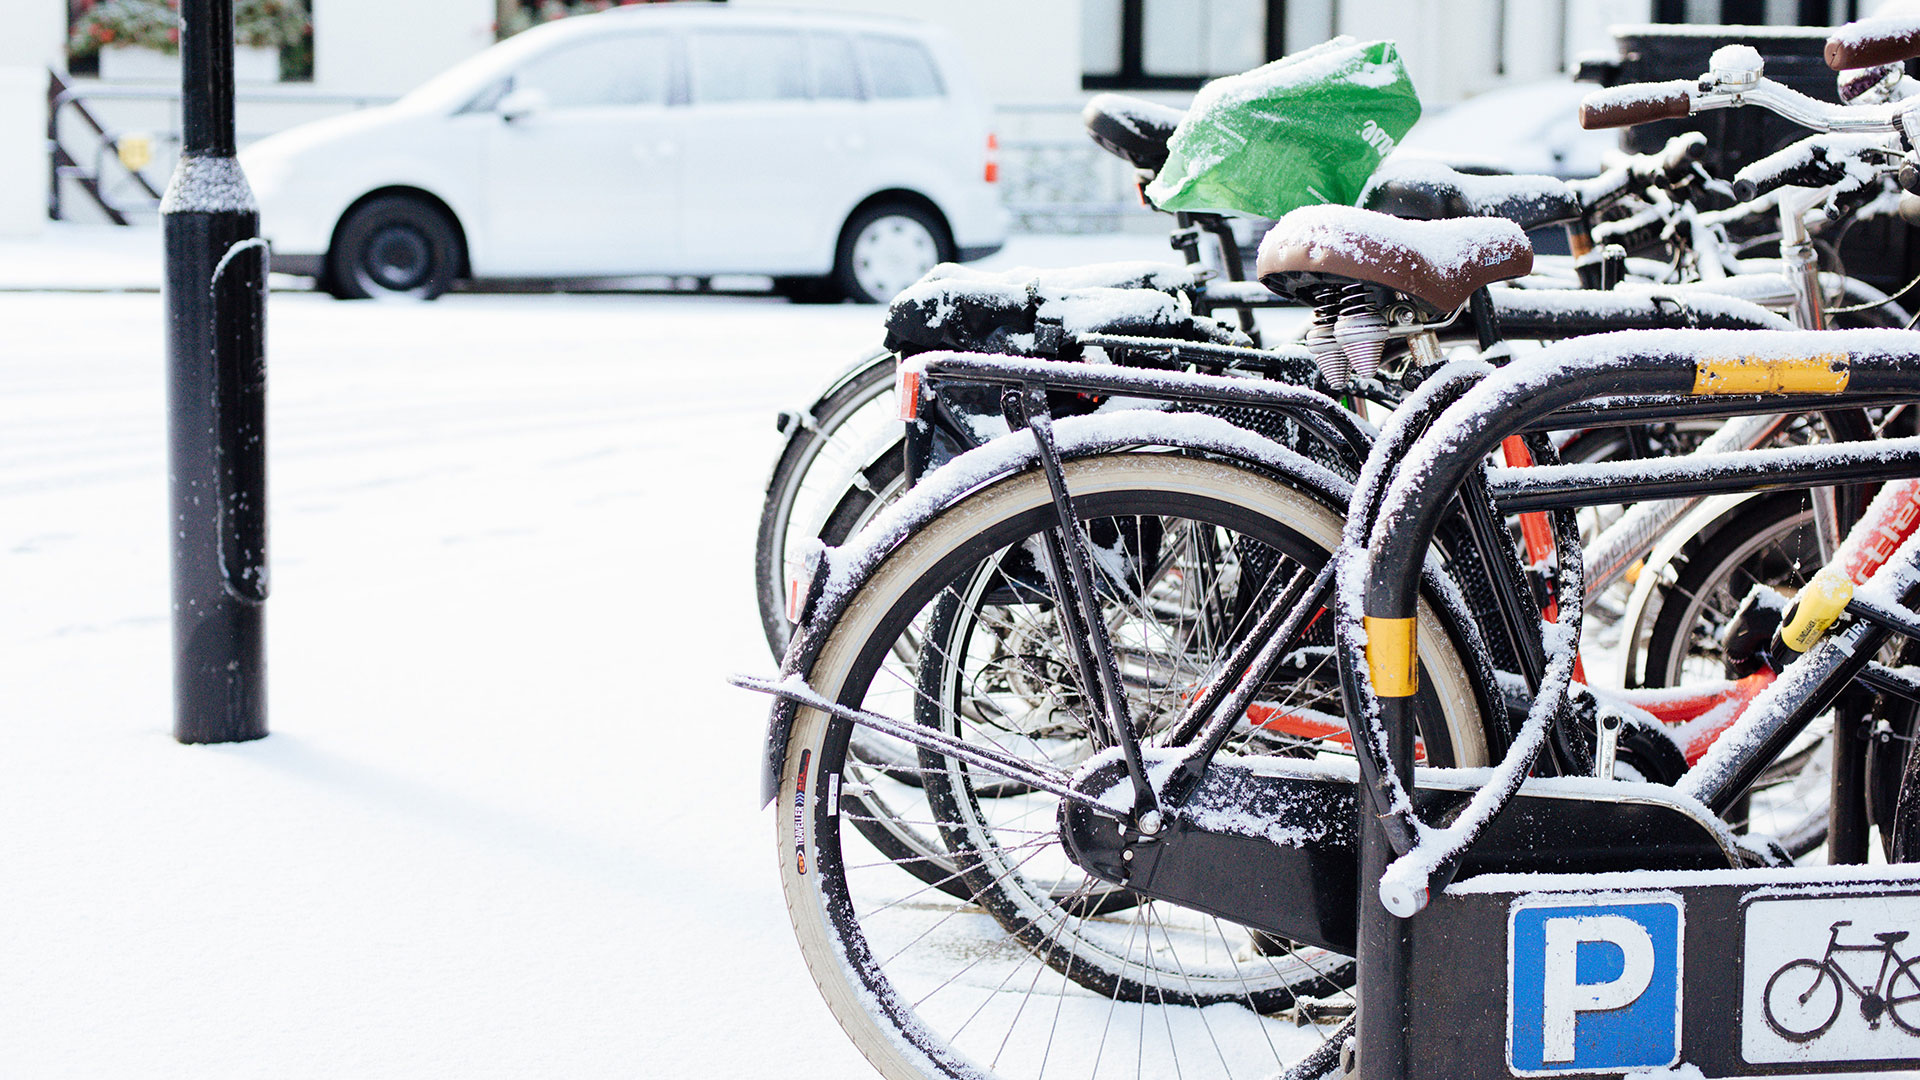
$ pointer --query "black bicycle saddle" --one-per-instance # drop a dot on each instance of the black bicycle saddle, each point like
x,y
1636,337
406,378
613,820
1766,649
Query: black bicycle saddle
x,y
1429,191
1133,130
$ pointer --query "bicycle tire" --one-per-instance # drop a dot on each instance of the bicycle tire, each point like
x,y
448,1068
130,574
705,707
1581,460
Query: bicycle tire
x,y
1797,1032
910,975
1767,540
820,441
1907,996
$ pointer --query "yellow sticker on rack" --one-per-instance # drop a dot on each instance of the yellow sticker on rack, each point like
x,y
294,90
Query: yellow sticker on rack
x,y
1825,373
1391,662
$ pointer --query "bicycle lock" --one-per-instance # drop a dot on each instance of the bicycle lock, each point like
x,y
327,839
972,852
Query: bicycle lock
x,y
215,289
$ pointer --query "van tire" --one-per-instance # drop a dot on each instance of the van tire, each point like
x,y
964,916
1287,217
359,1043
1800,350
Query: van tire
x,y
886,247
394,246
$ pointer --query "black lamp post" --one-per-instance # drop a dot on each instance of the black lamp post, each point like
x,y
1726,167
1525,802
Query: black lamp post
x,y
216,298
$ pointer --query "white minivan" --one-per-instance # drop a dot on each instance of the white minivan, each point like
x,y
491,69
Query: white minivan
x,y
841,155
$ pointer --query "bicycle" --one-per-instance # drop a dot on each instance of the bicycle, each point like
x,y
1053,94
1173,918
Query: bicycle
x,y
1799,1015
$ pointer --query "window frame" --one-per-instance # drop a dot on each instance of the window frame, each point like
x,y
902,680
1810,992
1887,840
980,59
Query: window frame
x,y
943,92
1133,74
489,98
862,89
806,66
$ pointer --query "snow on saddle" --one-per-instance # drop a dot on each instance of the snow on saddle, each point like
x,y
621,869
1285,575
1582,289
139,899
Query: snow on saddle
x,y
1438,264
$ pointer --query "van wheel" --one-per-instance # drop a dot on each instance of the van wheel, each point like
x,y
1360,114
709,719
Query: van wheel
x,y
888,247
394,246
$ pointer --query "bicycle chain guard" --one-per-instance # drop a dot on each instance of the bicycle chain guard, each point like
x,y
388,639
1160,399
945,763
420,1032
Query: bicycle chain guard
x,y
1271,843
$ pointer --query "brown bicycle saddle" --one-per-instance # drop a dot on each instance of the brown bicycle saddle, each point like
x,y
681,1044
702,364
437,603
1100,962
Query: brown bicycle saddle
x,y
1437,263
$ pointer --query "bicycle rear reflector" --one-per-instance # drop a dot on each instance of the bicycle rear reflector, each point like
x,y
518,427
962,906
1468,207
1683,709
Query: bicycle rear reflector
x,y
906,388
803,566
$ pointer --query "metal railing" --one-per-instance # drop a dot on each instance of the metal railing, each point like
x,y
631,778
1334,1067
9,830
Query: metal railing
x,y
118,183
1062,183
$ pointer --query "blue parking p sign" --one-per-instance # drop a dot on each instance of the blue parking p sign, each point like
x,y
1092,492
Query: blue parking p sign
x,y
1593,983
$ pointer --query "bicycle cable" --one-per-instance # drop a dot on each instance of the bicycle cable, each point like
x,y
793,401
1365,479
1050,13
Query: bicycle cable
x,y
1884,301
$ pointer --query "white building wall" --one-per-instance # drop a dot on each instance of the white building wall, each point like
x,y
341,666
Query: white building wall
x,y
36,33
388,47
1531,48
23,155
1588,22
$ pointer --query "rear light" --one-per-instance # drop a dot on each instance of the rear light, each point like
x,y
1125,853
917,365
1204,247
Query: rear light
x,y
906,390
993,158
803,566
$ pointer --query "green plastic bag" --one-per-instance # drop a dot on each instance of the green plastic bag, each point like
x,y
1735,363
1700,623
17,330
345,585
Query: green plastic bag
x,y
1306,129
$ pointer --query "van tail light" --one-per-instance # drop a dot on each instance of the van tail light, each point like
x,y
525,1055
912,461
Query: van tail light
x,y
993,158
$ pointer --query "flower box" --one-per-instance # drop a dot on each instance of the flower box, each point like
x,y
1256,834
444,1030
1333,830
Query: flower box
x,y
128,63
119,63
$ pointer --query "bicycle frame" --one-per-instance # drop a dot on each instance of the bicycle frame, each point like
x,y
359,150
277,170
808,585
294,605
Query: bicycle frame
x,y
1889,958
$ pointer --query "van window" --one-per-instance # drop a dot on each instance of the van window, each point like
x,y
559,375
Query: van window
x,y
835,77
898,68
746,65
630,69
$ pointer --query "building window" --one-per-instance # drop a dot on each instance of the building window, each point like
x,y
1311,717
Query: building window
x,y
1757,12
1179,44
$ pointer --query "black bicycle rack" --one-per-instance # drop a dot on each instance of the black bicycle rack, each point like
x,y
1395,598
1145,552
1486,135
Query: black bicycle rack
x,y
1744,970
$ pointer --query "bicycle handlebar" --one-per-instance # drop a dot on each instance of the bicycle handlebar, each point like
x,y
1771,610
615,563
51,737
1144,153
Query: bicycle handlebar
x,y
1888,39
1815,161
1670,167
1639,103
1636,103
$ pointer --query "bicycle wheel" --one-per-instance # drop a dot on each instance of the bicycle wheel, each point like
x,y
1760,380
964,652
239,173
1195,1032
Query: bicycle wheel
x,y
1099,981
1801,1000
1903,996
1903,846
834,472
1764,541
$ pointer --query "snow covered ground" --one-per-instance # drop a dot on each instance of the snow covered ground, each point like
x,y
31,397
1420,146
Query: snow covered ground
x,y
506,824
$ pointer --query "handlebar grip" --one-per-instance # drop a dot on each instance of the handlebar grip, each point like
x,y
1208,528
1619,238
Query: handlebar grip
x,y
1636,103
1807,163
1677,157
1871,42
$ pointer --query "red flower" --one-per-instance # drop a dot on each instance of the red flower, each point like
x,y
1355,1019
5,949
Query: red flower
x,y
173,35
102,34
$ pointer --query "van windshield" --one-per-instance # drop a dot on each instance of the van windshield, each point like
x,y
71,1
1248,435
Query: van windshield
x,y
455,87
